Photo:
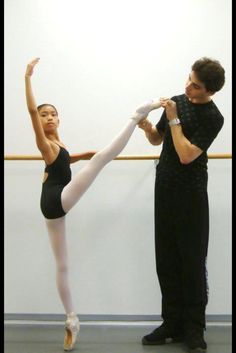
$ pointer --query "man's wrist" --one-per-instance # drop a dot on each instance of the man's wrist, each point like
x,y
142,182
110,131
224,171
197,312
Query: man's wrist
x,y
174,121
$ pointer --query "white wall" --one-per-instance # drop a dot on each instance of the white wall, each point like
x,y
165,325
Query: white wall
x,y
99,60
110,240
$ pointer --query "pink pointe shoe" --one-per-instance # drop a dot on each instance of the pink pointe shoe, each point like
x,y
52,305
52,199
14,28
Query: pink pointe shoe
x,y
72,327
143,110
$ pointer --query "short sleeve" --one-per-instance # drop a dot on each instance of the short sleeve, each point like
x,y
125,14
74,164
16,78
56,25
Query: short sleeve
x,y
207,131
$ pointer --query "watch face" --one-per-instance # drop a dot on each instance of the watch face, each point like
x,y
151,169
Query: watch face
x,y
174,121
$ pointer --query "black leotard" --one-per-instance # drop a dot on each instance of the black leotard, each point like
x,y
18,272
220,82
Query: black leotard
x,y
59,174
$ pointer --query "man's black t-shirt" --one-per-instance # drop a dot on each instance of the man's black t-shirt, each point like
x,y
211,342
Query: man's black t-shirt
x,y
200,124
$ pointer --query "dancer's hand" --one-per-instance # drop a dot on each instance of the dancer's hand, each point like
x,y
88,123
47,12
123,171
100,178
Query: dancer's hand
x,y
30,67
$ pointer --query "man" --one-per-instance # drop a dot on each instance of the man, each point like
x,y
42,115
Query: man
x,y
187,127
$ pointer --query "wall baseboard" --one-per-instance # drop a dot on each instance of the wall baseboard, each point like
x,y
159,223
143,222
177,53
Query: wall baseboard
x,y
126,318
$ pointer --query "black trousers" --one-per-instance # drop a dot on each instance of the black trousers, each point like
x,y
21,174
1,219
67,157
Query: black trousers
x,y
181,243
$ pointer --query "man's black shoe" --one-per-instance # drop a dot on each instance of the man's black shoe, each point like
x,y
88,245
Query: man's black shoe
x,y
195,341
161,334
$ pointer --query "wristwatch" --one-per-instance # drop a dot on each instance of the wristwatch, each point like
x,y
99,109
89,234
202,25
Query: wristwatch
x,y
174,121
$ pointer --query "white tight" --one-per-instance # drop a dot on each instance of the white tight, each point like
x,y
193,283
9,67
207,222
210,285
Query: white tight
x,y
57,236
71,193
84,178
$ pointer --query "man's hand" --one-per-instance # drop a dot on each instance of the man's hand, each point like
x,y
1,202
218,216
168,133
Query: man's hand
x,y
170,107
146,125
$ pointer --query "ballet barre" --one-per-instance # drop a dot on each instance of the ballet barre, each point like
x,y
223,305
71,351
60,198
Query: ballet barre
x,y
121,157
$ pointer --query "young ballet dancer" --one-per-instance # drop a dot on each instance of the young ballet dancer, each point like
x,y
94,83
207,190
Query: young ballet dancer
x,y
60,192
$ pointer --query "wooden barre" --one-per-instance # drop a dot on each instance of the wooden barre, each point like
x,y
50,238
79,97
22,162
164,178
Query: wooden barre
x,y
124,157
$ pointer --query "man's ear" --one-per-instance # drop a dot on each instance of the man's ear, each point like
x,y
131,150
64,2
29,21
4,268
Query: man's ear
x,y
210,93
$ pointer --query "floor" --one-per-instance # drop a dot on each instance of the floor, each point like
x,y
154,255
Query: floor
x,y
103,338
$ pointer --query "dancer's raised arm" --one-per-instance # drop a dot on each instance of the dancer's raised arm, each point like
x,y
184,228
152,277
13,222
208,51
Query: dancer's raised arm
x,y
41,139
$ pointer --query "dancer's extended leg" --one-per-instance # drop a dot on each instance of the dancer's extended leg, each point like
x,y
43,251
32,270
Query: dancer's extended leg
x,y
81,181
84,178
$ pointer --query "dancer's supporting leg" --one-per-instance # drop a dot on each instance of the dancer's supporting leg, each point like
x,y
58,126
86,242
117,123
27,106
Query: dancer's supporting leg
x,y
57,236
